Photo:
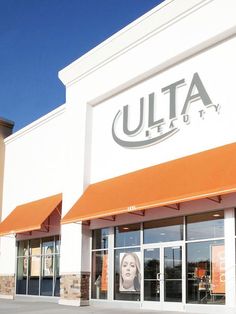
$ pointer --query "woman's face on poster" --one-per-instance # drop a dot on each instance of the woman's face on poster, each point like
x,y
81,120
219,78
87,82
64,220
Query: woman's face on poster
x,y
25,264
128,268
48,258
25,261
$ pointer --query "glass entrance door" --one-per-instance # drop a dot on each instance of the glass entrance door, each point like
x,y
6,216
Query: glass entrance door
x,y
163,279
152,274
172,274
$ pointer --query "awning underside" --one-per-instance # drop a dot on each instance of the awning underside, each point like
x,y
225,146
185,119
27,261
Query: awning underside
x,y
206,174
30,216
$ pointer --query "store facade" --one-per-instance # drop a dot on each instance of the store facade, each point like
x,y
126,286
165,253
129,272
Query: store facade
x,y
128,190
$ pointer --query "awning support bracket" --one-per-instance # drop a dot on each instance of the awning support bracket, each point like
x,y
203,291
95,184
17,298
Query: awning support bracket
x,y
46,230
86,222
26,233
112,218
177,207
139,213
46,226
217,200
58,211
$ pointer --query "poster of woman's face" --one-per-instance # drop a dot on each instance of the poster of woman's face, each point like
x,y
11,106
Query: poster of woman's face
x,y
130,271
25,262
48,261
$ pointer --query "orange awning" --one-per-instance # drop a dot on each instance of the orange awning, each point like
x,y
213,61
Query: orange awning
x,y
30,216
206,174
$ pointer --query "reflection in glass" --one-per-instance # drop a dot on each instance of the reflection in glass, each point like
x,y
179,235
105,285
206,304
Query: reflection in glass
x,y
46,286
206,273
127,274
47,275
35,247
34,269
22,248
99,274
152,274
34,273
205,226
25,262
128,235
173,274
38,270
100,238
164,230
57,277
173,291
58,245
21,282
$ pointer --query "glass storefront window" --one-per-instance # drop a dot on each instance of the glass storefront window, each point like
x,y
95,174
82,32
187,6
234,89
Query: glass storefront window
x,y
57,275
100,238
164,230
205,226
206,272
38,271
34,267
162,263
128,235
48,246
35,248
22,248
99,285
21,284
47,272
58,245
99,274
127,274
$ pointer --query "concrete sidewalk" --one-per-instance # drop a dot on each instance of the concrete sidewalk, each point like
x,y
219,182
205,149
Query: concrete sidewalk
x,y
39,307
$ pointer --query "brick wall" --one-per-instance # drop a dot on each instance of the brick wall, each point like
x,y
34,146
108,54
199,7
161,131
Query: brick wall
x,y
7,285
75,287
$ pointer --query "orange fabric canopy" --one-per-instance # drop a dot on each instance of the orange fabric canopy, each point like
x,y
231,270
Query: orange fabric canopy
x,y
206,174
30,216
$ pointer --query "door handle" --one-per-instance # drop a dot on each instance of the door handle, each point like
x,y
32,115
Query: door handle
x,y
160,277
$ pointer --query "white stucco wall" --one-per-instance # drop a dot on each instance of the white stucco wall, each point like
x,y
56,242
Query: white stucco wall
x,y
72,146
34,169
171,42
109,159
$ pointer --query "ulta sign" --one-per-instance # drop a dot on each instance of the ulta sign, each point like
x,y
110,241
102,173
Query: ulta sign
x,y
152,131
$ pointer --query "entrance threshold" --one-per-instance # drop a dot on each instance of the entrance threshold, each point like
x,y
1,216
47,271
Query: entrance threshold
x,y
115,304
36,298
209,308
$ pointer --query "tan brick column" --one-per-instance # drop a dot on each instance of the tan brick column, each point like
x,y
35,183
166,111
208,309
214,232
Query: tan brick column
x,y
75,270
75,289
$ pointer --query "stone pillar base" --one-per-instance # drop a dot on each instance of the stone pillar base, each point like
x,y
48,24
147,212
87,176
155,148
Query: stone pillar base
x,y
7,297
69,302
74,289
7,286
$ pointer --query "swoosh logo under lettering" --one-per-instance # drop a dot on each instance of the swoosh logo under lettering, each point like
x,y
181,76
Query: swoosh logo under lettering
x,y
138,144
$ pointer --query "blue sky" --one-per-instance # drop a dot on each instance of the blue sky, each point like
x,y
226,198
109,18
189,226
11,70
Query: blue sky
x,y
40,37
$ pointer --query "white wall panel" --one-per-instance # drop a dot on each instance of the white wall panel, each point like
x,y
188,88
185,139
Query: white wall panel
x,y
35,161
34,169
108,159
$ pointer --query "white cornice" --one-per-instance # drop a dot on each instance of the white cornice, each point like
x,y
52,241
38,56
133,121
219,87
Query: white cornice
x,y
156,20
39,122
